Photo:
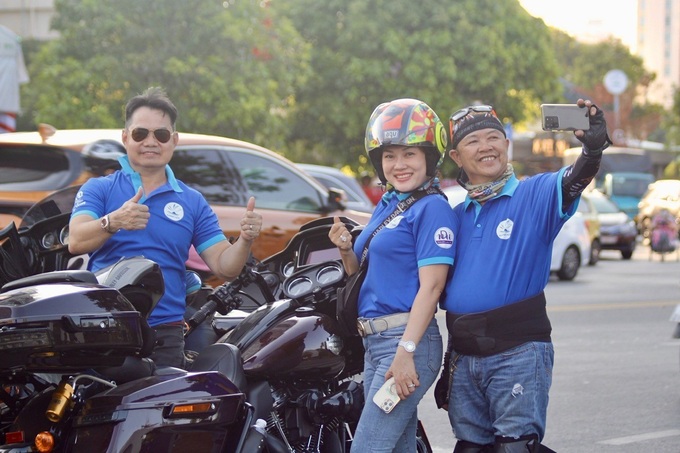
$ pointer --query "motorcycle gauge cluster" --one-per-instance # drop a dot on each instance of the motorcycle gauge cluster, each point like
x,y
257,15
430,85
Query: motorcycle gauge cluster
x,y
53,239
313,280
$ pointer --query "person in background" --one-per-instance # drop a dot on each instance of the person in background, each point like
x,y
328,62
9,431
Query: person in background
x,y
371,189
408,263
500,354
142,209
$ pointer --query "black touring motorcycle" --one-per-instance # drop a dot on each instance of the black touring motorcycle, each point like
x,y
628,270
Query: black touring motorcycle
x,y
74,372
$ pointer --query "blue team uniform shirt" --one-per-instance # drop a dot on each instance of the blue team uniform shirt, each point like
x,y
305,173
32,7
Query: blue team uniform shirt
x,y
422,235
180,217
504,248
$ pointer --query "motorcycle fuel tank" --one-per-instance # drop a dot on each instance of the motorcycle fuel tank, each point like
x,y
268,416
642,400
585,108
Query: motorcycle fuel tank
x,y
276,341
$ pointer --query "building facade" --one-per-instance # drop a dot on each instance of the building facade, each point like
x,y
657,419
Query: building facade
x,y
29,19
658,43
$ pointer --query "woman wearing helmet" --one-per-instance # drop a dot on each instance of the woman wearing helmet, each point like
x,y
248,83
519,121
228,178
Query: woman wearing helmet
x,y
408,261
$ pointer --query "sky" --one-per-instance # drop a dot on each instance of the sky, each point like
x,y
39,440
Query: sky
x,y
589,19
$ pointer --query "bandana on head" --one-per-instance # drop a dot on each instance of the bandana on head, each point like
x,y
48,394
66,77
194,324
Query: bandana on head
x,y
473,122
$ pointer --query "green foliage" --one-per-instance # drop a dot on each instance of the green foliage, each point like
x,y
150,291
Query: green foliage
x,y
303,76
221,63
448,54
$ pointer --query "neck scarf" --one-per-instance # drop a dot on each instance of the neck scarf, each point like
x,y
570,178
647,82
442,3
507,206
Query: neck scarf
x,y
487,190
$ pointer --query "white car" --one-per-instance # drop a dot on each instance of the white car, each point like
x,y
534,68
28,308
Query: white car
x,y
571,248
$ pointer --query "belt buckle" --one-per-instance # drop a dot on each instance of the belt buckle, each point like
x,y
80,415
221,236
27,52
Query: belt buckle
x,y
360,328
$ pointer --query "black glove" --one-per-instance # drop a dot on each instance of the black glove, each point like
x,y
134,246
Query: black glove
x,y
596,138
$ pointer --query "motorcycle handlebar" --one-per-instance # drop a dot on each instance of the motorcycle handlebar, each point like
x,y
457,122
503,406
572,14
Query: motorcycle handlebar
x,y
201,315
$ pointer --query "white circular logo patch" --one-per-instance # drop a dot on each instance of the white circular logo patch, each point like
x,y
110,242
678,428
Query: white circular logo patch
x,y
443,237
504,229
173,211
394,222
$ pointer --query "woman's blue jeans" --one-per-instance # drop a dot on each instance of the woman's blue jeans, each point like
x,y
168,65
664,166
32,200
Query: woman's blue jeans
x,y
396,431
505,394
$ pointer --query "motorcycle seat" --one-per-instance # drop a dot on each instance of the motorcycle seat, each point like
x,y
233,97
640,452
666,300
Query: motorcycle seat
x,y
133,368
222,357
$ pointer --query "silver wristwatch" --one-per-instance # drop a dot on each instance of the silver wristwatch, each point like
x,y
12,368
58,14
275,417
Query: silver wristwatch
x,y
409,345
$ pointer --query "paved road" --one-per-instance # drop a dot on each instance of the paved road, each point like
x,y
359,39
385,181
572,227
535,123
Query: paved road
x,y
616,385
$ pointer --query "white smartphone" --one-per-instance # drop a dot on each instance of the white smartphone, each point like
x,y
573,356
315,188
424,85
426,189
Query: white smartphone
x,y
564,117
386,397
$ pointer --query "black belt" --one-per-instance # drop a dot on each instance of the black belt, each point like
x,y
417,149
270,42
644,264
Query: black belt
x,y
497,330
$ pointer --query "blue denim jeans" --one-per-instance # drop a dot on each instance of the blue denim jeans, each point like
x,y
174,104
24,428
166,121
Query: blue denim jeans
x,y
502,395
396,431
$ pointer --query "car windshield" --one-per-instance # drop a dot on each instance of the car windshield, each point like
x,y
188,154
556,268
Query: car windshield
x,y
604,206
631,186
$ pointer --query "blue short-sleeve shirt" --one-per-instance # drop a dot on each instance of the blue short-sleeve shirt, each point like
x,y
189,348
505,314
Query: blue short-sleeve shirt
x,y
422,235
504,248
180,217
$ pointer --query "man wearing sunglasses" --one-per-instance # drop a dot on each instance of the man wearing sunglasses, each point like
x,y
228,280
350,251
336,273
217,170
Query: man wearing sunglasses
x,y
500,355
142,209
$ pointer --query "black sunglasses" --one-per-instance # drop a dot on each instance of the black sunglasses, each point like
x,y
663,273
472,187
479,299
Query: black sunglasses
x,y
462,113
140,133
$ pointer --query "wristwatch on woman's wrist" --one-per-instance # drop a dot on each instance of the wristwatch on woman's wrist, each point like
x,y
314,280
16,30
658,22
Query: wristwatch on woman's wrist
x,y
409,345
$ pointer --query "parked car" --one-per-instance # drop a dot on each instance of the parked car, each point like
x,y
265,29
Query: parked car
x,y
226,171
617,229
592,221
332,177
662,194
571,248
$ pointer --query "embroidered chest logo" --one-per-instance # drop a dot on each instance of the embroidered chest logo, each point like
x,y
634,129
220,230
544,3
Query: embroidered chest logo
x,y
443,237
504,229
394,222
173,211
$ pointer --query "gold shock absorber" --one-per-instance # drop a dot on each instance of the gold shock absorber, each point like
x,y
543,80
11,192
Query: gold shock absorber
x,y
60,400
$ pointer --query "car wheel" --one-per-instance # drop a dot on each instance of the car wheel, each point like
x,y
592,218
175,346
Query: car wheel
x,y
571,261
595,249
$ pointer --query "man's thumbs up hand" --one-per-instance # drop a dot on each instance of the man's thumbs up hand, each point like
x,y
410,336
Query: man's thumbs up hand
x,y
251,223
132,215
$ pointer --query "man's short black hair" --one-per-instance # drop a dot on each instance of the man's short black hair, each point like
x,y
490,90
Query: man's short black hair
x,y
154,98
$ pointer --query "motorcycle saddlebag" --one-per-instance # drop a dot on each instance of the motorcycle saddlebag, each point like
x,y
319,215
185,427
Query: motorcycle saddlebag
x,y
63,327
185,412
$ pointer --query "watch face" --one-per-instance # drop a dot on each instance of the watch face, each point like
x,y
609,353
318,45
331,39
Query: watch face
x,y
408,345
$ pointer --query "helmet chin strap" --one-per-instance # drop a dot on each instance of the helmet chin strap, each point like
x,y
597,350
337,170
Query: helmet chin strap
x,y
432,182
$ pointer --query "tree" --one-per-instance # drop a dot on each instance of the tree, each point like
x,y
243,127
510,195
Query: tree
x,y
583,67
448,54
220,62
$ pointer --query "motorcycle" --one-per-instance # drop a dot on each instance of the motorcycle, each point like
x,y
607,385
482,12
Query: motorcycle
x,y
75,376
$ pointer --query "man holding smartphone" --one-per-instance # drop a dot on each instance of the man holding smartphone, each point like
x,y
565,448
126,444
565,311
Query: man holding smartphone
x,y
500,354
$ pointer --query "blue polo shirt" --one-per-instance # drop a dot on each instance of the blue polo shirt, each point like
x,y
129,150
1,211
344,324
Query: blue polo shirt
x,y
421,236
180,217
503,248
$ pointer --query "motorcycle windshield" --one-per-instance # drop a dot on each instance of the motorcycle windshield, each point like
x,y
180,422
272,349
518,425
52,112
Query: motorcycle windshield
x,y
57,203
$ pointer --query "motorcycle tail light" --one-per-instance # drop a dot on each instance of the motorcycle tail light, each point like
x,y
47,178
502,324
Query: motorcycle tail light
x,y
24,339
44,442
15,437
192,409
